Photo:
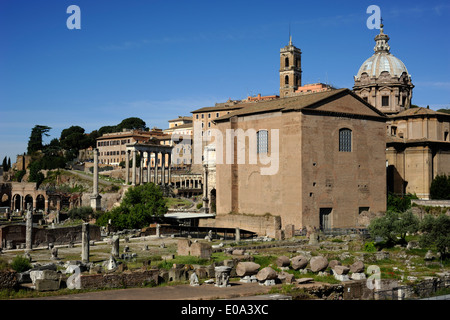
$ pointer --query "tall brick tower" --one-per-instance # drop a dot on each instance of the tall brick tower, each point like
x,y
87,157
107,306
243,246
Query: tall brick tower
x,y
290,69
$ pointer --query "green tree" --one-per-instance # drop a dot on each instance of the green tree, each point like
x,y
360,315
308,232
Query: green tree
x,y
131,123
440,187
436,232
5,164
139,207
35,173
74,138
394,225
35,141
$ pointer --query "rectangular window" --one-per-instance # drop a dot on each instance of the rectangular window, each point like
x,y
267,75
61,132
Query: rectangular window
x,y
385,101
262,141
345,140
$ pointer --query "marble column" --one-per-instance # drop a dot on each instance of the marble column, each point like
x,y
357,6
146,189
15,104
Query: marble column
x,y
163,163
205,190
149,162
85,242
156,168
169,173
29,230
133,169
141,169
95,197
127,167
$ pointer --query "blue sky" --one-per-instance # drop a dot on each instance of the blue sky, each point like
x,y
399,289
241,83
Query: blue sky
x,y
160,59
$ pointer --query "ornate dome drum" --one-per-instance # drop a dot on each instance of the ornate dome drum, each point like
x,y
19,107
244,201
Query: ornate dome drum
x,y
383,79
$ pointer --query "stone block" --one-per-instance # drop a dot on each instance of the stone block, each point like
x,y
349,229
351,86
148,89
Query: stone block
x,y
46,285
201,250
289,231
184,247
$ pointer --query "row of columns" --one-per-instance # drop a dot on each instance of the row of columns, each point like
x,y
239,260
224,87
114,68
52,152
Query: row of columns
x,y
190,183
157,178
34,204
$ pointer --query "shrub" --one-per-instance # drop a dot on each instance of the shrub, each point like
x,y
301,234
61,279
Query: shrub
x,y
399,203
393,225
436,231
370,247
20,264
83,213
440,187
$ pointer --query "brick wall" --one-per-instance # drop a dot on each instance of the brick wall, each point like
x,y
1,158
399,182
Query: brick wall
x,y
119,280
41,236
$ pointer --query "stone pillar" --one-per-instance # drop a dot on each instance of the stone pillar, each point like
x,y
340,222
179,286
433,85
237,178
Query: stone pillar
x,y
85,242
169,173
156,167
238,235
46,206
205,190
115,246
95,197
148,168
163,163
29,230
141,169
133,169
127,167
158,231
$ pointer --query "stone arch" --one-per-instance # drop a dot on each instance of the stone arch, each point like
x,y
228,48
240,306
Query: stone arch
x,y
28,200
40,202
16,202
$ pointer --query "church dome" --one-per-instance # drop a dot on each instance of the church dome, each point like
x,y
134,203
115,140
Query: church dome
x,y
382,60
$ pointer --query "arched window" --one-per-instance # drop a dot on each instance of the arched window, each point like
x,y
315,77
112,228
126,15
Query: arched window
x,y
286,62
286,80
262,141
345,140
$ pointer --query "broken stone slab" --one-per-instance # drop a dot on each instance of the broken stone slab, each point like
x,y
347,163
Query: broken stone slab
x,y
249,279
299,262
247,268
334,263
358,276
286,277
44,275
266,273
318,263
238,252
283,261
304,280
341,277
270,282
357,267
340,270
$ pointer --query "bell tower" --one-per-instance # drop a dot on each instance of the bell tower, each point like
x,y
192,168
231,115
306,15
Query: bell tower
x,y
290,69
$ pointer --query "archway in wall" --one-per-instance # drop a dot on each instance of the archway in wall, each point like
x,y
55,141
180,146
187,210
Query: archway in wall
x,y
16,202
40,202
28,202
